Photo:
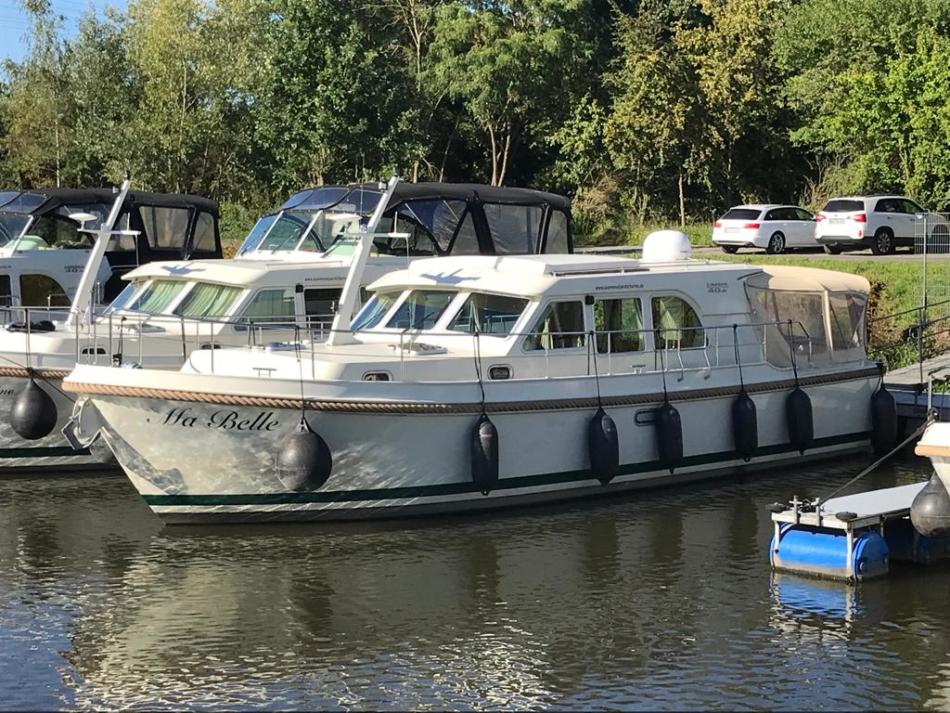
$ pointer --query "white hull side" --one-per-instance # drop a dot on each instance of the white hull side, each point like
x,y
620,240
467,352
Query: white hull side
x,y
52,452
398,465
935,444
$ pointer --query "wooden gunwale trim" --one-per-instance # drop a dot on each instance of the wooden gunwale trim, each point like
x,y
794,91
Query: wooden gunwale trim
x,y
928,449
403,407
21,371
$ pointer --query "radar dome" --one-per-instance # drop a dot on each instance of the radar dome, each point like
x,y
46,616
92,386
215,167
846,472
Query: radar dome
x,y
666,246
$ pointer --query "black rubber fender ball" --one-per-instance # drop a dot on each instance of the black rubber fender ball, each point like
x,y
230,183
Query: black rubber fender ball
x,y
930,511
304,462
33,415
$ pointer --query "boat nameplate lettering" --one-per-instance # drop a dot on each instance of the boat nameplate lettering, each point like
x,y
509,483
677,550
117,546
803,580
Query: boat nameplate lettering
x,y
222,419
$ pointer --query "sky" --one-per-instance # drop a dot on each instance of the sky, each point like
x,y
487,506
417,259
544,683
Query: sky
x,y
14,23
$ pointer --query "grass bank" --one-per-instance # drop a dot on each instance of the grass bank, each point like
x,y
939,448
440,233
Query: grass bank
x,y
700,234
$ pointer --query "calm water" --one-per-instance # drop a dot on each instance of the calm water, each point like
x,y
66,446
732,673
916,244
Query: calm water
x,y
657,600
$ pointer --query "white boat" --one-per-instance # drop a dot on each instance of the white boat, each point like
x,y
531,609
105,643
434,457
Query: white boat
x,y
286,281
46,239
704,368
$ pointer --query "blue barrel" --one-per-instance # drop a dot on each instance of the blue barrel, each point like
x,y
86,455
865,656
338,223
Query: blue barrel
x,y
824,553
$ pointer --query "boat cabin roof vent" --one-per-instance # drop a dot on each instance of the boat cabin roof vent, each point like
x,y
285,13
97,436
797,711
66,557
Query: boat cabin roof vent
x,y
666,246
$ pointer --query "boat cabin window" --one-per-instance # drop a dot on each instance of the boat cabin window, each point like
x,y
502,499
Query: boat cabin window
x,y
122,299
6,297
207,300
557,233
204,241
847,320
420,309
488,314
257,233
793,321
514,228
619,325
11,225
165,227
54,231
374,310
561,326
676,324
321,303
431,224
42,290
273,305
156,297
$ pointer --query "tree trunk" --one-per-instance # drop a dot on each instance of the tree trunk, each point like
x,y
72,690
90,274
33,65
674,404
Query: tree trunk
x,y
682,202
494,156
504,158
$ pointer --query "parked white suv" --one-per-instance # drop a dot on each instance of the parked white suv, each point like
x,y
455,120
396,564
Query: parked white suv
x,y
772,227
881,223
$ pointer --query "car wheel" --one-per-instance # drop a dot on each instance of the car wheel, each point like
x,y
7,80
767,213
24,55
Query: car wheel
x,y
883,243
832,249
731,249
776,244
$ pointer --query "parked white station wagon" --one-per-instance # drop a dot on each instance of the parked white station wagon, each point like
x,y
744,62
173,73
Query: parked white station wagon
x,y
881,223
775,228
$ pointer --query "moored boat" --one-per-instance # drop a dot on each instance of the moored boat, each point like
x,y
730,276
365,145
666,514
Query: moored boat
x,y
286,281
473,382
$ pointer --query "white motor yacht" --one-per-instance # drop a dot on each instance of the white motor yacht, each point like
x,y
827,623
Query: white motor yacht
x,y
46,237
284,285
477,382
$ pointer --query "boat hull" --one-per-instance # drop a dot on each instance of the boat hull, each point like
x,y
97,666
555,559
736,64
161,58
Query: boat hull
x,y
212,459
935,445
52,452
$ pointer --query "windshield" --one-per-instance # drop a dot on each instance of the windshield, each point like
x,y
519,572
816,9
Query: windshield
x,y
374,310
741,214
12,225
283,231
421,309
207,300
157,296
843,205
488,314
122,299
300,230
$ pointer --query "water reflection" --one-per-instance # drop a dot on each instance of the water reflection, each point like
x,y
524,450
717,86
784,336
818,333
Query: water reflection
x,y
657,600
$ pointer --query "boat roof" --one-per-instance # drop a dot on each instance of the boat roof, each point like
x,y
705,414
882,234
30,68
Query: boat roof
x,y
787,278
251,272
38,201
331,196
532,275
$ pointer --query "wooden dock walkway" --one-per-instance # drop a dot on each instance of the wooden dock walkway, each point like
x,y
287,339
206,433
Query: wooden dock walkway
x,y
909,386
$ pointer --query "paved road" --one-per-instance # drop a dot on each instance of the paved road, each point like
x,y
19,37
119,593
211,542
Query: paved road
x,y
902,254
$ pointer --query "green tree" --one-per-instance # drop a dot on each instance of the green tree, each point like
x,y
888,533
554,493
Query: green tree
x,y
506,63
332,105
37,102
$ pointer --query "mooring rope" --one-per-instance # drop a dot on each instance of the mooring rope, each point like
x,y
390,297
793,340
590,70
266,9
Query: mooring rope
x,y
930,419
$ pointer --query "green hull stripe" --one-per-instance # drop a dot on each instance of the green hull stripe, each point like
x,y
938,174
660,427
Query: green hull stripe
x,y
46,452
422,491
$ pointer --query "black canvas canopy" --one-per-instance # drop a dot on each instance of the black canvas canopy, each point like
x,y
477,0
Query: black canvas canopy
x,y
170,226
38,201
454,218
